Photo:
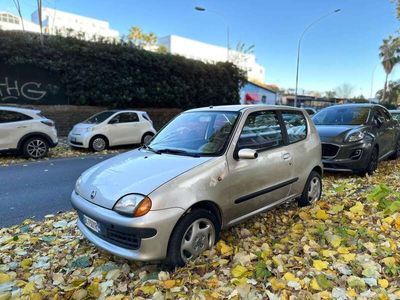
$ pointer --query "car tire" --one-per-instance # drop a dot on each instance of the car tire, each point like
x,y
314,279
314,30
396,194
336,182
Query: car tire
x,y
98,143
35,147
146,138
312,190
372,163
178,254
396,153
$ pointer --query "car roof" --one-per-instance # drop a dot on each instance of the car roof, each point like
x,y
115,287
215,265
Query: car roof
x,y
20,109
237,108
349,105
124,110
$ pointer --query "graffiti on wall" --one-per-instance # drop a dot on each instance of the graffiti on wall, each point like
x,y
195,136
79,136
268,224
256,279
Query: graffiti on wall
x,y
29,85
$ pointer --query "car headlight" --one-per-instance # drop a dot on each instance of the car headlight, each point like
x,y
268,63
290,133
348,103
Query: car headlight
x,y
78,185
355,136
133,205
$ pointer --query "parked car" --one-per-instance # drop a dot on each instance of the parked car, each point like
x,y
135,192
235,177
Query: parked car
x,y
112,128
208,169
395,114
26,131
355,137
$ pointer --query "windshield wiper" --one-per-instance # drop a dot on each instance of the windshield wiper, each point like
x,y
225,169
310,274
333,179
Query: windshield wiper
x,y
151,149
177,152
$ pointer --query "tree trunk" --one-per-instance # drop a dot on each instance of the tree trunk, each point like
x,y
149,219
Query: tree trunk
x,y
39,4
385,87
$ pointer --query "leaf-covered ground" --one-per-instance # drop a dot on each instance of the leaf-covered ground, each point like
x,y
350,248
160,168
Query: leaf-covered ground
x,y
346,247
60,151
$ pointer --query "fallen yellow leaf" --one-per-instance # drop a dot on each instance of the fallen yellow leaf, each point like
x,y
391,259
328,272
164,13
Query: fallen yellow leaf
x,y
383,283
238,271
320,264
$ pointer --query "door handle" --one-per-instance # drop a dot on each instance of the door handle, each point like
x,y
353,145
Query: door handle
x,y
286,156
22,126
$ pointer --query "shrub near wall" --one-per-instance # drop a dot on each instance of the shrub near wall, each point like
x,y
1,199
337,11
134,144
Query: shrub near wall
x,y
119,75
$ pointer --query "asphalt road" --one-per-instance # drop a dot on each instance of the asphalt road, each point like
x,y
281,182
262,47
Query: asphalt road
x,y
33,190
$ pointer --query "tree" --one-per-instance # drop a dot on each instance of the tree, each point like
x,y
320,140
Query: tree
x,y
330,94
135,35
241,54
392,94
18,7
344,90
387,53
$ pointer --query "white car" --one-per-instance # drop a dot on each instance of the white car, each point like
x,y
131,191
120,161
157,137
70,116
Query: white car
x,y
112,128
26,131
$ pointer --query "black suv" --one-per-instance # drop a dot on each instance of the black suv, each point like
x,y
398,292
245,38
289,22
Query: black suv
x,y
355,137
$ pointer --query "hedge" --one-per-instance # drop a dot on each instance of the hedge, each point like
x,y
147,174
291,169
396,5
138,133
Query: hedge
x,y
120,75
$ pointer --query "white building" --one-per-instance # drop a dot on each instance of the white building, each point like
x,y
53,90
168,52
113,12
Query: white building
x,y
68,24
212,54
10,21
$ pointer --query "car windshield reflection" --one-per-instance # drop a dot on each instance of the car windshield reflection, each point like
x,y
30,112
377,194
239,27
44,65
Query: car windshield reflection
x,y
195,134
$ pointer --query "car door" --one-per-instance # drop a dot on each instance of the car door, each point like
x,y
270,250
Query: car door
x,y
384,132
258,183
124,129
13,126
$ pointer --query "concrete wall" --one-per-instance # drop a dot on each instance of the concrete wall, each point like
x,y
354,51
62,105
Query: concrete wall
x,y
66,116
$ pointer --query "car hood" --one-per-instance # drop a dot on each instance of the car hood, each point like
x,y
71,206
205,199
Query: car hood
x,y
335,133
137,171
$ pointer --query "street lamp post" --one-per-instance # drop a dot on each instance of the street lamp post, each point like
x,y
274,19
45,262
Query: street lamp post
x,y
201,9
299,45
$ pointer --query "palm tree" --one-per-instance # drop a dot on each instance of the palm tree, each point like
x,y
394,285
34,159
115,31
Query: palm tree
x,y
135,35
387,53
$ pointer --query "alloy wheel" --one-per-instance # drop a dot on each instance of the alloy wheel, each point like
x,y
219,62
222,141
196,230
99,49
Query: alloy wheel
x,y
199,237
98,144
314,189
147,138
36,148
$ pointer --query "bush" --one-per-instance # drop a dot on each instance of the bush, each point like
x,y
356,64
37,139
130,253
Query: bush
x,y
119,75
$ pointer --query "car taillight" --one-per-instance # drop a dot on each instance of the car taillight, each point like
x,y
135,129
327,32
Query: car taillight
x,y
48,123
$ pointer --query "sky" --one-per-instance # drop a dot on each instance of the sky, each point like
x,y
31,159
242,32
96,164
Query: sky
x,y
342,48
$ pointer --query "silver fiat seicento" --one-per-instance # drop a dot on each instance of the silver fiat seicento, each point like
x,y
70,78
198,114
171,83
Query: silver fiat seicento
x,y
208,169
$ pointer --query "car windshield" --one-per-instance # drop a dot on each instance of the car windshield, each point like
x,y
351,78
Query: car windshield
x,y
100,117
196,134
342,116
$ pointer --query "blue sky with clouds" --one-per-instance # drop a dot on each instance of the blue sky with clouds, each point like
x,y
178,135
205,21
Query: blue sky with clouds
x,y
341,48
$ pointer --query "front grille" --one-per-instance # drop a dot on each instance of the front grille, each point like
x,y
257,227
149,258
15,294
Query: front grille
x,y
329,150
123,239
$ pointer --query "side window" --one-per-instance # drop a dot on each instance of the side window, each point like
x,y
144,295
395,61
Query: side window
x,y
12,116
261,131
127,117
381,113
296,125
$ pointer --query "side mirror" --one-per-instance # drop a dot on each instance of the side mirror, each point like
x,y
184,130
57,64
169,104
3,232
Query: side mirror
x,y
247,154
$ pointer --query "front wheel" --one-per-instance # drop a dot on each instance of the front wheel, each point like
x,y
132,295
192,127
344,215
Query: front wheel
x,y
98,143
372,164
146,138
196,232
312,190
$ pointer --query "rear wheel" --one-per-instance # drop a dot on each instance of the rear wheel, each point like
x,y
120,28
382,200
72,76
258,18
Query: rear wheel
x,y
196,232
35,147
98,143
312,191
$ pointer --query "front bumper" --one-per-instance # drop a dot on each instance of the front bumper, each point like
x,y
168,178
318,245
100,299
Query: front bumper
x,y
349,158
152,230
79,140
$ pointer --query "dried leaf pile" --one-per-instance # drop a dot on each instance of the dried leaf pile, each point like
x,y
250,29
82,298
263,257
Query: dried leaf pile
x,y
346,247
